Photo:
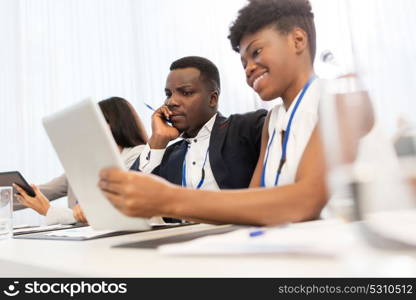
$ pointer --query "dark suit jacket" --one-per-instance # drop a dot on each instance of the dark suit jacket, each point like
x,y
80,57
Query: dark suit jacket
x,y
233,151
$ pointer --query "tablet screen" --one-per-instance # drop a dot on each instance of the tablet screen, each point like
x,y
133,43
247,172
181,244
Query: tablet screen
x,y
8,178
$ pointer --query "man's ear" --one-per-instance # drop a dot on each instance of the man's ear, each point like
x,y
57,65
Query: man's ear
x,y
213,99
300,40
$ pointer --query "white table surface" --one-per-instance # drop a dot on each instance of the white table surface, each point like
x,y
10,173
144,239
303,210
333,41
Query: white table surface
x,y
96,258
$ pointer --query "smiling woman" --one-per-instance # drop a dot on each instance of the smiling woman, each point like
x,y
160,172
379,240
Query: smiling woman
x,y
258,55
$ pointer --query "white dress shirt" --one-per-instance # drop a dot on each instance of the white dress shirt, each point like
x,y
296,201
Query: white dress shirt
x,y
194,159
303,123
64,215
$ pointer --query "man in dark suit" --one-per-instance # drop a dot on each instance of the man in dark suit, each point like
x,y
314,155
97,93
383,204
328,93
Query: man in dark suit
x,y
214,152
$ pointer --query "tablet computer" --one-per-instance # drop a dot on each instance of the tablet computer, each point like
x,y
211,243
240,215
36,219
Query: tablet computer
x,y
84,144
8,178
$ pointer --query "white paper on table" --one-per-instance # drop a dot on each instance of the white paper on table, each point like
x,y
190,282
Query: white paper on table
x,y
81,232
398,225
322,239
21,226
31,229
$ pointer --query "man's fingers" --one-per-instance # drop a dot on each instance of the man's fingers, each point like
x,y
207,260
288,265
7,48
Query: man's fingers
x,y
111,187
116,200
113,175
166,112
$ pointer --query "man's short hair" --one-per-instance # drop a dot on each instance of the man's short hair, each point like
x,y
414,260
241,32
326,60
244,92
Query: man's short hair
x,y
209,72
283,14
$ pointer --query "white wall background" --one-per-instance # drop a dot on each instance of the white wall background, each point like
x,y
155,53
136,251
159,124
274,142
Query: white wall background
x,y
57,52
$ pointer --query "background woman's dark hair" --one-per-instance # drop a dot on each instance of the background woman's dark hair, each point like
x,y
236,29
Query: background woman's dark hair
x,y
125,124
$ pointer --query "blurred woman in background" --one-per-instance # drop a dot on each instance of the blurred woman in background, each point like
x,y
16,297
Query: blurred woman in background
x,y
130,136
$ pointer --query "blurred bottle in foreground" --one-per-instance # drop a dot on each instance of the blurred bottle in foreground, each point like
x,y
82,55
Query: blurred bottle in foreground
x,y
346,116
405,148
368,175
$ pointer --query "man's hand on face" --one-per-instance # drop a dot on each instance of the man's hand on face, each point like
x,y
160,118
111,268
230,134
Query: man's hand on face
x,y
162,133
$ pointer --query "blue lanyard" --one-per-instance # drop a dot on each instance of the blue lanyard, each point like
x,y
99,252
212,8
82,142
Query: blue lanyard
x,y
285,138
201,181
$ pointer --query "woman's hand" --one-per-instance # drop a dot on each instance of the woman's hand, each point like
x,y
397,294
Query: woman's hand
x,y
39,203
79,214
136,194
